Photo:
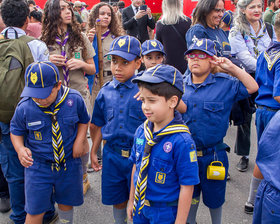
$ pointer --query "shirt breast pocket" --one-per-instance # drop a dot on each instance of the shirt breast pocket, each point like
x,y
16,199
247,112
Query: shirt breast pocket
x,y
161,171
39,131
69,126
135,119
213,112
109,126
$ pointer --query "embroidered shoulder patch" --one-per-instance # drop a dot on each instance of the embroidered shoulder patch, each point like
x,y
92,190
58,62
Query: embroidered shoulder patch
x,y
193,156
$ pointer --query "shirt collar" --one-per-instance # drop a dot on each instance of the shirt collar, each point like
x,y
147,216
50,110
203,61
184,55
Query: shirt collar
x,y
209,80
252,31
128,83
11,32
134,8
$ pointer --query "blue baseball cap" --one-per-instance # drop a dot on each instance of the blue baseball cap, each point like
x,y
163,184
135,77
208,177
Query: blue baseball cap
x,y
162,73
227,17
40,78
152,46
205,45
127,47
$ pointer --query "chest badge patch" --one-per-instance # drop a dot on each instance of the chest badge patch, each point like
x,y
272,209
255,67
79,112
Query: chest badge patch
x,y
70,102
167,147
77,55
38,135
33,77
193,156
160,178
139,141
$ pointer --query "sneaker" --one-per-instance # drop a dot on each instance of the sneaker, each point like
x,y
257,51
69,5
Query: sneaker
x,y
5,205
228,176
242,165
249,208
51,220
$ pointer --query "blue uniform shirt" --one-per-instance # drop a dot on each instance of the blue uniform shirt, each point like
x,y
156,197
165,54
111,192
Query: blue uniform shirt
x,y
217,35
209,107
269,152
173,162
268,76
30,121
117,112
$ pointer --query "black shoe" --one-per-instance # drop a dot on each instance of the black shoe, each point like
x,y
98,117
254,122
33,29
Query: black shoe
x,y
242,166
52,219
5,205
228,176
249,208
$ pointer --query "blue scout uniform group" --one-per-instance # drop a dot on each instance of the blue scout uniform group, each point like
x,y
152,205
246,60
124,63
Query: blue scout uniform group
x,y
173,160
207,116
30,121
119,115
267,204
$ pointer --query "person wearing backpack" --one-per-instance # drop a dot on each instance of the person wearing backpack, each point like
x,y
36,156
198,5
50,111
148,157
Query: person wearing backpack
x,y
17,51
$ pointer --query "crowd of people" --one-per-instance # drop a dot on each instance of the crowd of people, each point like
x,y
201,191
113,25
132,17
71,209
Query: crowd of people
x,y
155,97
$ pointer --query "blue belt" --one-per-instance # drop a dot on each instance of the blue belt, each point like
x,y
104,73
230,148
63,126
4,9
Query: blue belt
x,y
202,151
160,204
267,108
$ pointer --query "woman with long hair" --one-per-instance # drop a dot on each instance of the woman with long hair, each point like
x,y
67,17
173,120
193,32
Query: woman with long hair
x,y
71,51
205,24
249,37
171,30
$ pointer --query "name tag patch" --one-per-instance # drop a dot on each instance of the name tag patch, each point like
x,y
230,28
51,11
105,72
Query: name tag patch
x,y
34,123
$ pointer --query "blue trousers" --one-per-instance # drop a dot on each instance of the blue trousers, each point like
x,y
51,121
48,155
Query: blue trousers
x,y
267,205
4,190
14,173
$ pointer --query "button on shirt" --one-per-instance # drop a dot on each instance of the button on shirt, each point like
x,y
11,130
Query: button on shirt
x,y
268,76
209,105
173,162
118,113
269,152
30,121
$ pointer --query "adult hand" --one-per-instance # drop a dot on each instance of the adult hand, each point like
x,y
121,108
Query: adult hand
x,y
149,12
94,162
57,59
129,210
140,14
91,34
25,157
74,64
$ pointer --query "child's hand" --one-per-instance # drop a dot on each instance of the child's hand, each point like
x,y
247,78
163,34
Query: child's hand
x,y
129,210
137,96
91,34
25,157
94,162
74,64
78,148
57,59
223,63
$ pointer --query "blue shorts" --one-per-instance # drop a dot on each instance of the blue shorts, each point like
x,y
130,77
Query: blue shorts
x,y
116,175
267,205
155,215
263,117
213,191
41,181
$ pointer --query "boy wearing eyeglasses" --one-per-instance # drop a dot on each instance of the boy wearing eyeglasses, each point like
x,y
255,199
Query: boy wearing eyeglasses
x,y
209,99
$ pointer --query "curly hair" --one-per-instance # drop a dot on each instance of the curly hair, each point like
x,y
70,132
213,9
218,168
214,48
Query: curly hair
x,y
202,9
114,26
52,23
14,12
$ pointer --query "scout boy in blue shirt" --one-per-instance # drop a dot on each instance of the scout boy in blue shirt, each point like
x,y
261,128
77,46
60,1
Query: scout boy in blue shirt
x,y
209,99
267,204
152,53
47,130
267,101
164,156
115,118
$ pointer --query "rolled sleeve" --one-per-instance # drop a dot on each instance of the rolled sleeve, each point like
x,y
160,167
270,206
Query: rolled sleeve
x,y
98,113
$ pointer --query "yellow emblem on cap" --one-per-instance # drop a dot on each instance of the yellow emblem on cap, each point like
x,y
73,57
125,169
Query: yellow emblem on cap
x,y
160,178
121,42
193,156
199,42
153,43
33,77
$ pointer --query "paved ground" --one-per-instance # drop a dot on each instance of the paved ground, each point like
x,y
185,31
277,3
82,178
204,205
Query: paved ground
x,y
93,212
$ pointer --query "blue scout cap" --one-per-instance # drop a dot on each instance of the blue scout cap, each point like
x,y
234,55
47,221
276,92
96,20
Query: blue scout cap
x,y
205,45
162,73
227,17
40,78
152,46
127,47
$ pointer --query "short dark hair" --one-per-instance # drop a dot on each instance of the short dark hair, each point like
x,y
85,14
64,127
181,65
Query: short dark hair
x,y
270,1
31,2
164,89
121,4
36,15
14,12
202,9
